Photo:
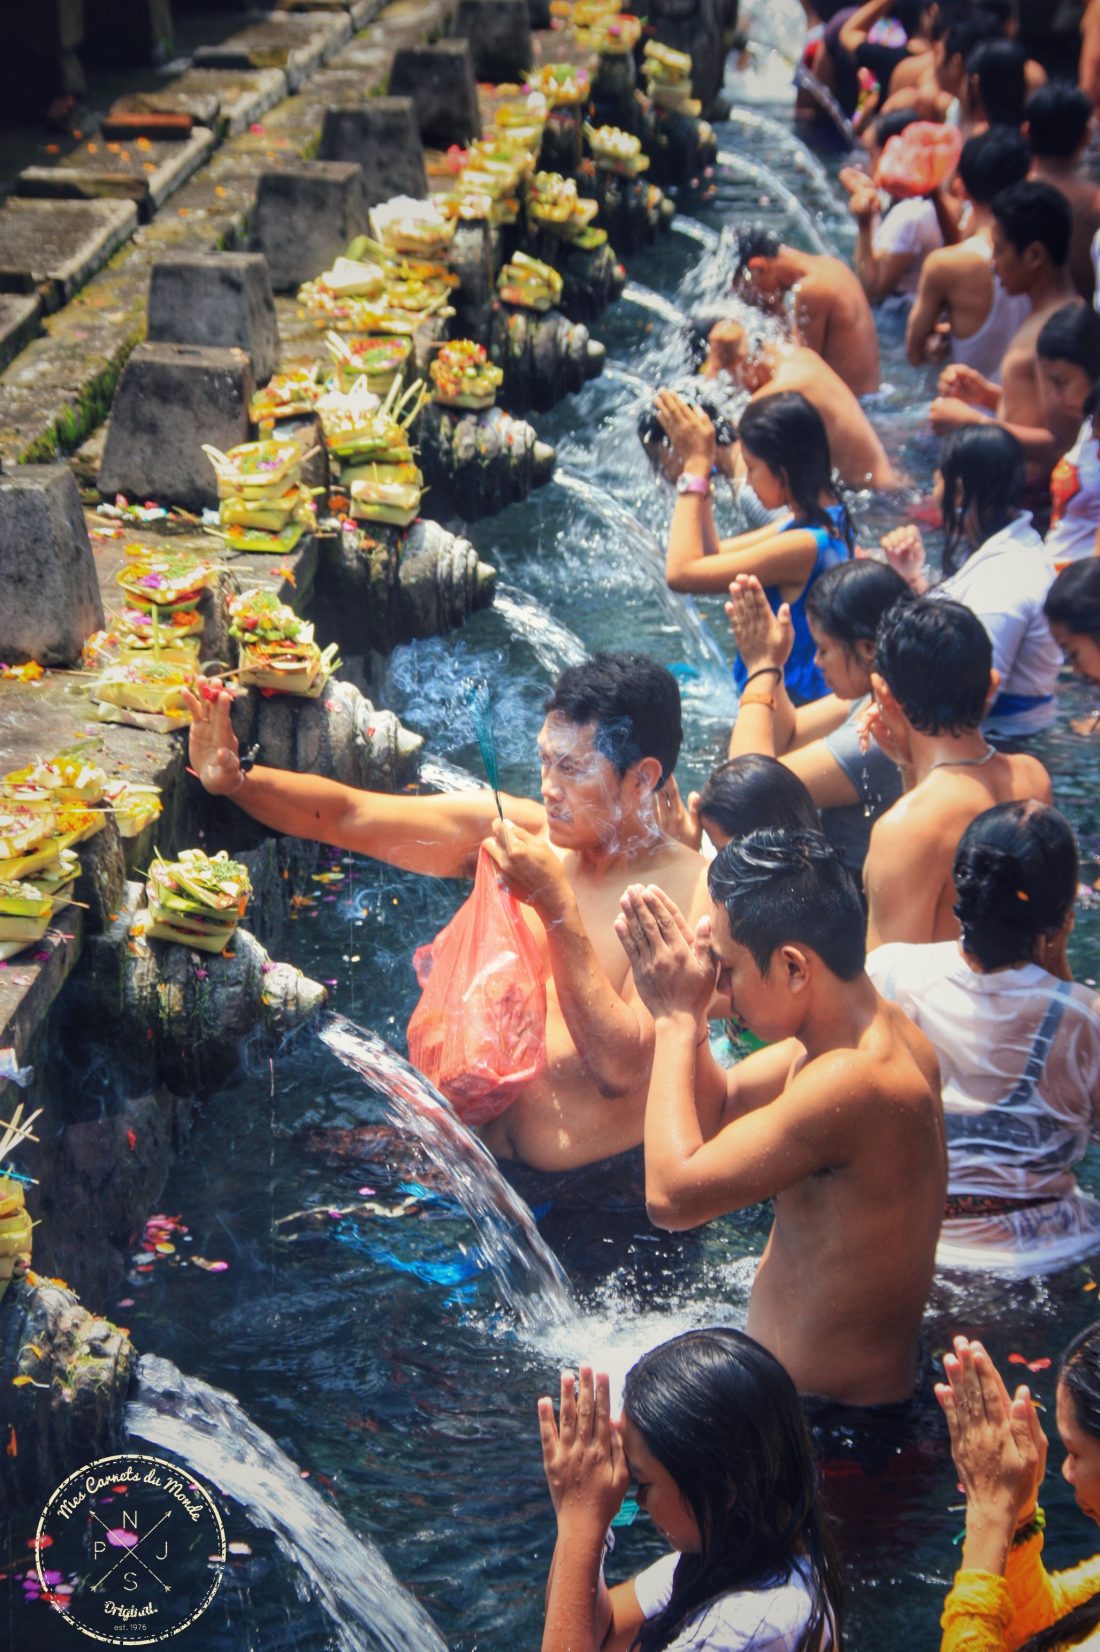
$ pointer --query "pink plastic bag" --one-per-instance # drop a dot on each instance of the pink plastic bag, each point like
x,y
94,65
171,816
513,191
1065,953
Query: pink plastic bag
x,y
920,159
479,1030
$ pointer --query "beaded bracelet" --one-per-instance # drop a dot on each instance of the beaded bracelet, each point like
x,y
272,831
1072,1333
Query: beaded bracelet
x,y
1035,1525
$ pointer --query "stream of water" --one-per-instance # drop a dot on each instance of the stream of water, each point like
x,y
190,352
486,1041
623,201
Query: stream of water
x,y
388,1314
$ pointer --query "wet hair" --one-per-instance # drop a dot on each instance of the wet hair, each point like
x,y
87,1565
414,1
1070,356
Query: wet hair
x,y
984,473
725,432
1057,116
966,29
1074,598
1015,880
935,657
634,702
998,67
781,887
892,125
1003,12
750,791
1031,212
788,434
847,602
1072,334
1079,1375
755,241
721,1414
993,161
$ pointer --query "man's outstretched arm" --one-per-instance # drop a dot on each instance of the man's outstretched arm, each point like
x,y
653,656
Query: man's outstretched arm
x,y
437,835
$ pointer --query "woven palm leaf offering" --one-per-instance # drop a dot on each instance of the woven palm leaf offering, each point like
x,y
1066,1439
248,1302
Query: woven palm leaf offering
x,y
553,204
66,779
144,693
277,648
369,441
379,360
562,83
287,395
134,805
169,581
463,376
610,33
418,228
197,900
668,78
529,283
616,150
25,914
15,1221
262,505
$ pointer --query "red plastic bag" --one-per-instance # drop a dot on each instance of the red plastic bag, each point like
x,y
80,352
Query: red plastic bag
x,y
920,159
479,1030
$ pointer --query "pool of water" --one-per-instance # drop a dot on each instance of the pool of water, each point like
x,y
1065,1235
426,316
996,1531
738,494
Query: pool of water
x,y
363,1336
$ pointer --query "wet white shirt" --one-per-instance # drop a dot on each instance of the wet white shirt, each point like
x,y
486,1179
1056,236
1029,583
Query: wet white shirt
x,y
1005,582
909,227
1075,500
770,1619
1019,1055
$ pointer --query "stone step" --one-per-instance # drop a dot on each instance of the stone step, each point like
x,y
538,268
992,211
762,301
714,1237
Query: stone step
x,y
19,313
58,245
145,171
296,42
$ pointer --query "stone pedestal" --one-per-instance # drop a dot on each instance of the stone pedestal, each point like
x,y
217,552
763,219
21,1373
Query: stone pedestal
x,y
440,81
476,463
382,138
544,357
220,298
304,218
49,595
171,399
499,35
472,258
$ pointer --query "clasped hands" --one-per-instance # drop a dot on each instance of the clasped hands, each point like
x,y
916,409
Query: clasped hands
x,y
583,1453
997,1441
674,970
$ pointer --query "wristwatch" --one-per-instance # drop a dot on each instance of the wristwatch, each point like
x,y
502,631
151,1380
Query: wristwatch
x,y
693,484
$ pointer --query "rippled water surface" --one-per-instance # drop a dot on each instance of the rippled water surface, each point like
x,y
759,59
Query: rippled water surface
x,y
363,1334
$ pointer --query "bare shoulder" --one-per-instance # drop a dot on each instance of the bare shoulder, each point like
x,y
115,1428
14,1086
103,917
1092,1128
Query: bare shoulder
x,y
916,817
1029,778
675,867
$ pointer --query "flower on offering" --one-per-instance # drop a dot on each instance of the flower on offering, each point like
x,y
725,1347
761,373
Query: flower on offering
x,y
529,283
197,900
463,375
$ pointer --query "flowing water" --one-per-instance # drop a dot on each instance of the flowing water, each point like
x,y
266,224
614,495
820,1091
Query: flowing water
x,y
208,1430
361,1319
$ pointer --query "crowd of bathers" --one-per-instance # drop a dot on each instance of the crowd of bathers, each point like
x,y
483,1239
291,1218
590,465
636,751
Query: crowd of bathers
x,y
871,898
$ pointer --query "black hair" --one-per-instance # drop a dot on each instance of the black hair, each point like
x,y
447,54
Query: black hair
x,y
1079,1374
998,66
1001,11
750,791
993,161
984,473
634,702
1057,116
892,125
1092,401
1074,598
721,1414
788,433
1031,212
755,241
908,14
848,601
650,428
781,887
1072,334
936,658
966,29
1015,880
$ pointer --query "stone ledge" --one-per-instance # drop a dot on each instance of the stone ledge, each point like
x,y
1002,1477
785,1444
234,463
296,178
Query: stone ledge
x,y
58,245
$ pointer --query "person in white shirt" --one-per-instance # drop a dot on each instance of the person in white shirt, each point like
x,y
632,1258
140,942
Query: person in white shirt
x,y
1018,1043
894,234
712,1434
1075,493
994,564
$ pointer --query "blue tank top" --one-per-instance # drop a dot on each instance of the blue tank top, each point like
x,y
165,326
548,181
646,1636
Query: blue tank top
x,y
804,681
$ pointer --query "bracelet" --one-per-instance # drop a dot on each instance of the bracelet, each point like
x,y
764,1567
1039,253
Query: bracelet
x,y
758,700
693,484
765,671
1035,1525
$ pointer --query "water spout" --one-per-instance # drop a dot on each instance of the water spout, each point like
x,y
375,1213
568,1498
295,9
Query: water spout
x,y
551,642
444,776
646,299
807,81
693,231
210,1432
764,178
528,1275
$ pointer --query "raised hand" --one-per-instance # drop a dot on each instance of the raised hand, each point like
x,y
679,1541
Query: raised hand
x,y
582,1454
687,427
530,868
763,638
904,551
673,969
679,820
213,752
967,384
997,1444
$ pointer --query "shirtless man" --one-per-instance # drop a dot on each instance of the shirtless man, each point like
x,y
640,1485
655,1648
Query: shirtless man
x,y
1031,234
766,369
610,741
932,682
838,1121
958,282
821,296
1057,128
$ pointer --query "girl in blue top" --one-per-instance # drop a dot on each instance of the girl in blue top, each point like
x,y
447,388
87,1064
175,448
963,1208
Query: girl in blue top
x,y
786,456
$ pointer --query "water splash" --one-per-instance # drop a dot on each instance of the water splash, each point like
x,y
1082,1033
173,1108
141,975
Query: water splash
x,y
615,373
553,644
528,1275
807,81
762,177
780,142
426,683
646,299
443,776
694,231
214,1436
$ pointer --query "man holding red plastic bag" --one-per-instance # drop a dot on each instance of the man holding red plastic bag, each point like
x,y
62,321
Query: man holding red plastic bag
x,y
606,750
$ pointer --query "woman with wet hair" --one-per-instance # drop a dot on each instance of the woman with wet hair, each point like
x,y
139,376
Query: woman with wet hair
x,y
821,743
1072,610
712,1435
995,564
1003,1598
1018,1043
